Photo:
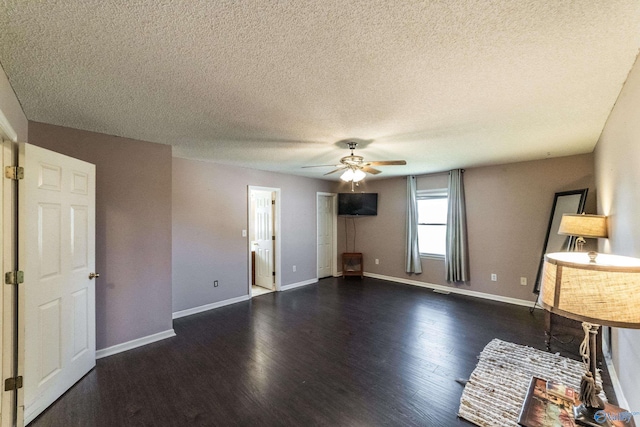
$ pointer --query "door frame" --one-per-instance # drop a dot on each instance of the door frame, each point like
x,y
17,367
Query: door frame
x,y
334,231
277,262
11,406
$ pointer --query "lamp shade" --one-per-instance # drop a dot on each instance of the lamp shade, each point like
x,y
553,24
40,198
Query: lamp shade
x,y
353,174
591,226
358,175
347,176
606,292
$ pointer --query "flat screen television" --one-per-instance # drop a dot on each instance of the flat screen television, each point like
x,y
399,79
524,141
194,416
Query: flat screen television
x,y
357,204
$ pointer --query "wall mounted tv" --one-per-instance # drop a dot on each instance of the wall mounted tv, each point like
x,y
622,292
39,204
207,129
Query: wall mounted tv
x,y
357,204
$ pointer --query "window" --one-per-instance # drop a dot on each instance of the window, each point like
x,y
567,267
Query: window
x,y
432,222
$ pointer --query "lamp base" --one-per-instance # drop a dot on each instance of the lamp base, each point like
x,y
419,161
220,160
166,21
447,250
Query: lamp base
x,y
585,416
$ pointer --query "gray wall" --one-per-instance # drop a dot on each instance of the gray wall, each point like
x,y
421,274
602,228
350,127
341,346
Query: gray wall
x,y
133,229
618,178
508,209
209,214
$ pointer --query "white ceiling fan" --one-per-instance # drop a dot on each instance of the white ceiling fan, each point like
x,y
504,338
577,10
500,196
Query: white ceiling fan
x,y
355,167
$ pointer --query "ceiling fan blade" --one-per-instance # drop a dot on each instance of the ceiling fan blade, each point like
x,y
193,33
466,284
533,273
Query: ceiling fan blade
x,y
319,166
372,171
387,163
335,170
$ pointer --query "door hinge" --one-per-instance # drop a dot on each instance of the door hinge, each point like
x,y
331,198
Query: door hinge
x,y
12,384
273,274
273,237
14,172
273,202
13,277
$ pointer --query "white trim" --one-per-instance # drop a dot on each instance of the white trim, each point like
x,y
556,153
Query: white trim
x,y
299,284
207,307
8,198
334,231
129,345
6,128
453,290
617,387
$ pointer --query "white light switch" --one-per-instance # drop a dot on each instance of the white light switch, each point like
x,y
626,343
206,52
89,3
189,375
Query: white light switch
x,y
244,233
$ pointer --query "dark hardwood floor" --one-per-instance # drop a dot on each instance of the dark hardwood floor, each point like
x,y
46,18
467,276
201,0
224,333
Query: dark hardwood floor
x,y
343,352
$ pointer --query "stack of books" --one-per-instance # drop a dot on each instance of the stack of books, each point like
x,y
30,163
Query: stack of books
x,y
550,404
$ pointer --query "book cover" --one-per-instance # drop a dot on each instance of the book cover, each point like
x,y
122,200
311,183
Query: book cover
x,y
562,391
542,409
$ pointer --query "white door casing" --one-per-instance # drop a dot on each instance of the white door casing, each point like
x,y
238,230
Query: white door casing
x,y
263,237
325,219
4,353
8,203
56,236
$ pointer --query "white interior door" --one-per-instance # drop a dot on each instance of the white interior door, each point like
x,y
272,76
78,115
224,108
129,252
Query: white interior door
x,y
325,235
263,238
56,239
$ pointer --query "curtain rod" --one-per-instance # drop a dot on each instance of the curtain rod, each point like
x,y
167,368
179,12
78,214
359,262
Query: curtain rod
x,y
432,174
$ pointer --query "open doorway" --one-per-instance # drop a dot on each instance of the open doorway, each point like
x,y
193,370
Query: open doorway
x,y
264,240
327,231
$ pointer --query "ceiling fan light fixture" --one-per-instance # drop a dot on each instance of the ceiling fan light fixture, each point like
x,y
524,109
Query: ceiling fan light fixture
x,y
354,167
347,175
358,175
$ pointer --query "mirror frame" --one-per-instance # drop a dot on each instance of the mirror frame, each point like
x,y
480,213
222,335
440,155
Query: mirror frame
x,y
556,213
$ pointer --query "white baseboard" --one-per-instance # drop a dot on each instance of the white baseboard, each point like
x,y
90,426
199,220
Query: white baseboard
x,y
617,387
206,307
170,333
299,284
452,289
129,345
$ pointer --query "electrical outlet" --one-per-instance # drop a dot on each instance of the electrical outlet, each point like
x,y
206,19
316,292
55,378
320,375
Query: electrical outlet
x,y
215,283
494,277
377,261
523,281
294,268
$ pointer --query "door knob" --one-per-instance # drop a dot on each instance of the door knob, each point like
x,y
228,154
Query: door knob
x,y
94,275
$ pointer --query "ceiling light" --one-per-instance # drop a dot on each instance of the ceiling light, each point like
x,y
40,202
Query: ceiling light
x,y
358,175
347,175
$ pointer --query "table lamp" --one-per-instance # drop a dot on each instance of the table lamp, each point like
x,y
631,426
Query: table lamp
x,y
597,289
590,226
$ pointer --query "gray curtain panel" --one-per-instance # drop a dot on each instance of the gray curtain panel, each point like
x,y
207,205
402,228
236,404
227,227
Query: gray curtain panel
x,y
413,264
457,253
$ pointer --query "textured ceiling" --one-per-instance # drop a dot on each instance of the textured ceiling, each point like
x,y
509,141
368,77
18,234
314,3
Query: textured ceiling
x,y
274,85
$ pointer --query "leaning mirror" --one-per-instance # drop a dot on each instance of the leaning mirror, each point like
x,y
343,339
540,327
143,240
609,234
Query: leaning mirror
x,y
571,202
